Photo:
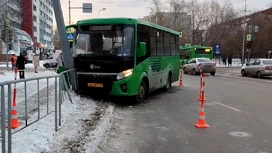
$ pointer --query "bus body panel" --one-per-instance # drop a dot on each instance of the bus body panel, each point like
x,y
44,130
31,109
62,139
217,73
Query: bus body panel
x,y
133,82
193,54
155,68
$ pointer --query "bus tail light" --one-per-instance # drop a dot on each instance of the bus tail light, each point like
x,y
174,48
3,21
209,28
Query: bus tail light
x,y
124,74
267,68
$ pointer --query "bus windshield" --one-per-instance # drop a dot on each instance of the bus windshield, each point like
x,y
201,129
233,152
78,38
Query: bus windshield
x,y
104,40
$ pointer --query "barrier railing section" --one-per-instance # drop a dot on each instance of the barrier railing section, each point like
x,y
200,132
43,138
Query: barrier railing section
x,y
47,101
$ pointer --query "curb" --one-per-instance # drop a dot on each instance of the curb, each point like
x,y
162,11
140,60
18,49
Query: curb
x,y
97,136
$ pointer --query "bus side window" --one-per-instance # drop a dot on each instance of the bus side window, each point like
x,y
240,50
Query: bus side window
x,y
143,36
172,45
166,38
153,47
160,48
177,45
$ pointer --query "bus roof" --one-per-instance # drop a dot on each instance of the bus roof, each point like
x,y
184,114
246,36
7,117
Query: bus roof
x,y
122,21
195,46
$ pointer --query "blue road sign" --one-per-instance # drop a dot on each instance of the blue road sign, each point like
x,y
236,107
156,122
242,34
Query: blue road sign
x,y
70,36
217,49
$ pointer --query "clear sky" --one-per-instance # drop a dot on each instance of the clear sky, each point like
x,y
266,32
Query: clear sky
x,y
139,8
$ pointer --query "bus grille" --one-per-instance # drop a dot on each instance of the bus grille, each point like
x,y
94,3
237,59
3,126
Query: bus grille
x,y
106,80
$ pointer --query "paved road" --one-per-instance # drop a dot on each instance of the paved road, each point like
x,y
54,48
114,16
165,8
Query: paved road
x,y
238,110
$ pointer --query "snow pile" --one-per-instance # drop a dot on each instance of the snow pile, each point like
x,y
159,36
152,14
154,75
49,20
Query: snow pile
x,y
28,65
83,127
9,75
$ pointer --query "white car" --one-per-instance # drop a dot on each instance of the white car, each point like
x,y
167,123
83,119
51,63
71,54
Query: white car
x,y
51,62
258,67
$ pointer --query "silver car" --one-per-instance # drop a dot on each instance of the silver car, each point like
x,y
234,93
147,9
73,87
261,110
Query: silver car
x,y
194,64
258,68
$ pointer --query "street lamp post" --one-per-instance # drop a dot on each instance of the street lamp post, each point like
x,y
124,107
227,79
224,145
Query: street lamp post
x,y
103,9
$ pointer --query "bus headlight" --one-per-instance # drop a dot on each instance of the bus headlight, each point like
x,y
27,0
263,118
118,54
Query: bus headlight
x,y
124,74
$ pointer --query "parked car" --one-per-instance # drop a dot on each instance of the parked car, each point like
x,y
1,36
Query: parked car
x,y
194,64
258,67
50,62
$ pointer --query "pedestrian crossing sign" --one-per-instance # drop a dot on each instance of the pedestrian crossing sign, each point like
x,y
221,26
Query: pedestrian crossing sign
x,y
70,36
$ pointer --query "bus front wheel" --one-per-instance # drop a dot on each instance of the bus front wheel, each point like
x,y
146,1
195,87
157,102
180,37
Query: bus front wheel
x,y
141,93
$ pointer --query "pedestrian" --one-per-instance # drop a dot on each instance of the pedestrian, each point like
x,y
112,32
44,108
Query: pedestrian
x,y
59,62
230,61
36,60
13,61
20,64
224,61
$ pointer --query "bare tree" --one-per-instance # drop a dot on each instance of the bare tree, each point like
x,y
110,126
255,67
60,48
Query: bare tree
x,y
56,39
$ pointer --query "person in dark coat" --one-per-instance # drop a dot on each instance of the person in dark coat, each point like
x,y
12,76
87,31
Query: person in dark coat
x,y
20,64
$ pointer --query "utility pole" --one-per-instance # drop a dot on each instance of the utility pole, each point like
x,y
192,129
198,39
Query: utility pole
x,y
69,12
67,56
244,33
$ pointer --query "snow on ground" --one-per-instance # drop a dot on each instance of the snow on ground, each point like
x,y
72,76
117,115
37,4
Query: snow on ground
x,y
28,65
83,126
83,123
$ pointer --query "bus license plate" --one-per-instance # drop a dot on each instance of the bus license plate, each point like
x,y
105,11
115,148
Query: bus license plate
x,y
96,85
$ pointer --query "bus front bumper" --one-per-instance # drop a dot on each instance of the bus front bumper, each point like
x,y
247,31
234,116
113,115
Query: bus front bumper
x,y
108,84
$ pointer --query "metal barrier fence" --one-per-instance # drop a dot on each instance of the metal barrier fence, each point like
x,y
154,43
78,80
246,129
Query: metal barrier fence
x,y
43,97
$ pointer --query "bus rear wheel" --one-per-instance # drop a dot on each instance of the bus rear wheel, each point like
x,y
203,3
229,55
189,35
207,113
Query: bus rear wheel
x,y
169,82
141,93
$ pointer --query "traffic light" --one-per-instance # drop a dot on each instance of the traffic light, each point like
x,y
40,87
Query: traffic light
x,y
248,44
10,36
3,35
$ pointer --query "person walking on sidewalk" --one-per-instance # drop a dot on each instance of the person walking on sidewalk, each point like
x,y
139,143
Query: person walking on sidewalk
x,y
13,61
20,64
36,61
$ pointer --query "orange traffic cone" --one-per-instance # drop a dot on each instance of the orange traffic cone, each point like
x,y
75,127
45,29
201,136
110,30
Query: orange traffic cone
x,y
14,118
180,79
14,114
202,121
201,96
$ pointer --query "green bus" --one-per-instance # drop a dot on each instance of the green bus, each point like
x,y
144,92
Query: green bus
x,y
188,52
124,57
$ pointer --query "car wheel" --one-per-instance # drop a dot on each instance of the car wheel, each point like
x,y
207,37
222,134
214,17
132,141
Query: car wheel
x,y
243,72
194,72
47,66
212,73
168,83
141,93
259,74
184,71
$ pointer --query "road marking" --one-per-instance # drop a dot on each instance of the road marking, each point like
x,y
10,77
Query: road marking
x,y
235,109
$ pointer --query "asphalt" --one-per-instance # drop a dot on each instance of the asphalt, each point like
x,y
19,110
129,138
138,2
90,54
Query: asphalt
x,y
238,110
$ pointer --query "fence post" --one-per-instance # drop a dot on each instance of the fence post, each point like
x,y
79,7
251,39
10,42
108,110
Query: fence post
x,y
47,94
25,104
9,118
3,113
60,98
38,86
56,104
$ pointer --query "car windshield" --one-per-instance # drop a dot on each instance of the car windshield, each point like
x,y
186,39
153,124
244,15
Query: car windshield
x,y
204,60
267,62
104,40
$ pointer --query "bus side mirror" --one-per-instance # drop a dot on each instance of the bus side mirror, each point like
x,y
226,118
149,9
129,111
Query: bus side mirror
x,y
142,51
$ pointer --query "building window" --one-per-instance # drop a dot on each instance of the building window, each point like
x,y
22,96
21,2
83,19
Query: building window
x,y
34,8
34,18
35,39
35,28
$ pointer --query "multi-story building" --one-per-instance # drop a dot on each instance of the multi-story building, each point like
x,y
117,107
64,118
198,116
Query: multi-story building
x,y
32,16
43,24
